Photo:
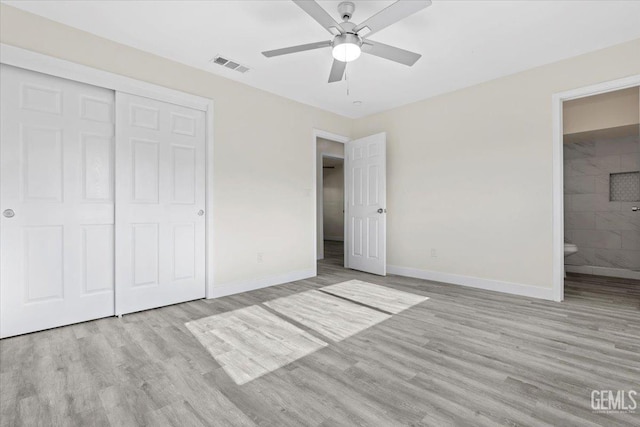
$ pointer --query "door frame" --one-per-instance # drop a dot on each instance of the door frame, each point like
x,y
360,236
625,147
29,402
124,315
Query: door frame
x,y
34,61
558,166
315,134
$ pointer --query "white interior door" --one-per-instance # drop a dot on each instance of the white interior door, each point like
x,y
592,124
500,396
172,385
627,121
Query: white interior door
x,y
160,201
366,194
56,199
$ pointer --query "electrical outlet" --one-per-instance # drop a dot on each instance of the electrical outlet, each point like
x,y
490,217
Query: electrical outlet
x,y
434,253
260,257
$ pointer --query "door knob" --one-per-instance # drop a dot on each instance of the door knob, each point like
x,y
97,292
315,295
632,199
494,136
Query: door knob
x,y
9,213
200,212
635,208
381,210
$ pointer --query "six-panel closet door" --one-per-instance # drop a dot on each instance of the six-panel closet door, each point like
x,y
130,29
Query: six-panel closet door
x,y
160,201
57,202
102,199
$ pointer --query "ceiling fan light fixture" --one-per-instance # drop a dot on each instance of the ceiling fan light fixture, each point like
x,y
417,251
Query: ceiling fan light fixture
x,y
346,48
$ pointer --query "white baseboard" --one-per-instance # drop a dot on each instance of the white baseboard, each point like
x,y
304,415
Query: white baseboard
x,y
240,286
474,282
603,271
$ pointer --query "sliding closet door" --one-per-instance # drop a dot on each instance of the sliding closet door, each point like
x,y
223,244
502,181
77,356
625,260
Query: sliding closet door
x,y
160,200
56,199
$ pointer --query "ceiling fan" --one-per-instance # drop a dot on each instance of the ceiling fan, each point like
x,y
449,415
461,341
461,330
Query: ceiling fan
x,y
350,39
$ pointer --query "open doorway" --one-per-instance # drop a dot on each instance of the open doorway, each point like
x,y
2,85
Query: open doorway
x,y
596,162
330,199
601,147
364,200
333,208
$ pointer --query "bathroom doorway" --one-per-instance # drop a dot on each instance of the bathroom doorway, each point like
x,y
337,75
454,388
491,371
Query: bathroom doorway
x,y
597,163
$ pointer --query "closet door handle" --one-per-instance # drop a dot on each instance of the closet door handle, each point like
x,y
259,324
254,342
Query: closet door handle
x,y
9,213
200,212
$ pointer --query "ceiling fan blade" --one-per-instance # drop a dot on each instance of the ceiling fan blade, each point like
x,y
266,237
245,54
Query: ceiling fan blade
x,y
337,71
294,49
392,14
391,53
321,16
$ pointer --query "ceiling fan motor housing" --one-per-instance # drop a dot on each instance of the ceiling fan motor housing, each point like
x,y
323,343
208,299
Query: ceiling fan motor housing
x,y
346,9
347,38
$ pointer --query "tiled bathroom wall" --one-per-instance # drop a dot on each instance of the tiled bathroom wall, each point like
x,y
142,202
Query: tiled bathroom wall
x,y
606,232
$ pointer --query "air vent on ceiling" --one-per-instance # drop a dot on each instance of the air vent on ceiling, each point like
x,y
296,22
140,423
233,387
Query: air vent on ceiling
x,y
228,63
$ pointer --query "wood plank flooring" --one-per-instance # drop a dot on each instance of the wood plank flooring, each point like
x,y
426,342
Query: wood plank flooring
x,y
465,357
332,317
380,297
251,341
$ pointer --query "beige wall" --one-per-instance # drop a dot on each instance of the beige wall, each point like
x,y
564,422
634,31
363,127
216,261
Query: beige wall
x,y
263,188
333,202
469,172
608,110
323,146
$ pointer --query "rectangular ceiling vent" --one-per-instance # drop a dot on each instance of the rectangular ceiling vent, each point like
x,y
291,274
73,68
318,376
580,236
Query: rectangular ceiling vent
x,y
228,63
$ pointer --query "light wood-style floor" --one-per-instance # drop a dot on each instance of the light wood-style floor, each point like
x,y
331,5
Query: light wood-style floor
x,y
464,357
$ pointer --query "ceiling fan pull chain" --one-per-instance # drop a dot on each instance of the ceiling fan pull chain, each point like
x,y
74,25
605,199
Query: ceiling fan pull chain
x,y
346,77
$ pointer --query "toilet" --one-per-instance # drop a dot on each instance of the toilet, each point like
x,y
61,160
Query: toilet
x,y
569,249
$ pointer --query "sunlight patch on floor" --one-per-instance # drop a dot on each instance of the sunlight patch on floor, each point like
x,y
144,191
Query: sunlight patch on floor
x,y
253,341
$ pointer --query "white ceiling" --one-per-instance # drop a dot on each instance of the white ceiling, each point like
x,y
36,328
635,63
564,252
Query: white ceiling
x,y
462,42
